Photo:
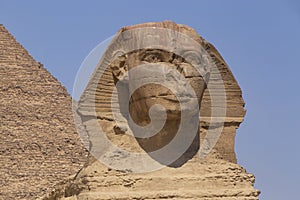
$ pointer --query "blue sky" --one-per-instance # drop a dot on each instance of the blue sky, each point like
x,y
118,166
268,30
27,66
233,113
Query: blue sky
x,y
260,40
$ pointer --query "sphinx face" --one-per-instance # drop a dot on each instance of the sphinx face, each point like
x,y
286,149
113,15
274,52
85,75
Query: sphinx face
x,y
156,77
171,82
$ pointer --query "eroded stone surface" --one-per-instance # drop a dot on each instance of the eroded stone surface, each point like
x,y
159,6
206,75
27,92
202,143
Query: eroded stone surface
x,y
211,179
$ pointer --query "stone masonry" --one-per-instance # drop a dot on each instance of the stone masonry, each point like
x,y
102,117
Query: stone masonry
x,y
39,145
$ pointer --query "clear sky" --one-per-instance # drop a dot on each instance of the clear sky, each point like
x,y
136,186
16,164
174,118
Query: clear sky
x,y
260,41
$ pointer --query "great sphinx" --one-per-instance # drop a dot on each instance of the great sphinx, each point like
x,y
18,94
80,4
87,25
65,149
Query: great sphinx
x,y
163,103
164,59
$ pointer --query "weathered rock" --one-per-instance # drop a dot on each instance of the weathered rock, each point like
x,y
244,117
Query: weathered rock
x,y
215,177
39,145
212,179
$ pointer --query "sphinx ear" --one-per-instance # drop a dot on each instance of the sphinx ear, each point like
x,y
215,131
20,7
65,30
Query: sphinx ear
x,y
119,69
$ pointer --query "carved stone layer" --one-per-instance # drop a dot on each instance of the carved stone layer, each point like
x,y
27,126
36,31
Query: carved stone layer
x,y
212,179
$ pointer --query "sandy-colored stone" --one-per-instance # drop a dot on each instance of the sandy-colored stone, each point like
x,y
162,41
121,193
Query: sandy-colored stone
x,y
217,177
234,102
212,179
39,145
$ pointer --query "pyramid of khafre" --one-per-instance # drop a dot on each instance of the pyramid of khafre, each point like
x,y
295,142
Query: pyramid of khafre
x,y
39,145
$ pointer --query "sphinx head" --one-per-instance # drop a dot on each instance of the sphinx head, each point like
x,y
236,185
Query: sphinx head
x,y
142,102
160,87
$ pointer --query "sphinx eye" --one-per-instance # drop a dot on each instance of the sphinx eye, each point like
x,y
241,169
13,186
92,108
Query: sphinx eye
x,y
152,57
